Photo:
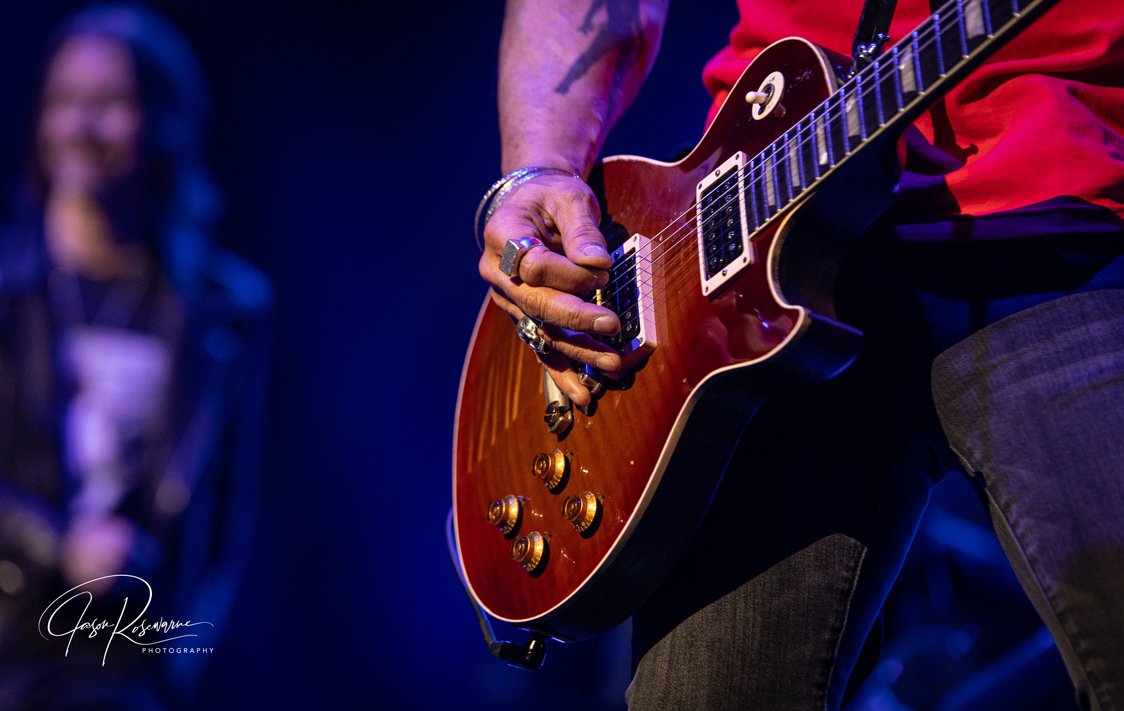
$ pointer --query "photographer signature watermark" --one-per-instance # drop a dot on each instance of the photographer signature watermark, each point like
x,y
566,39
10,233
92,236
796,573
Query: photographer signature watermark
x,y
67,618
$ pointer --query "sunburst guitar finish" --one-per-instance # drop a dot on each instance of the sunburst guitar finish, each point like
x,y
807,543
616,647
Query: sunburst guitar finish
x,y
724,270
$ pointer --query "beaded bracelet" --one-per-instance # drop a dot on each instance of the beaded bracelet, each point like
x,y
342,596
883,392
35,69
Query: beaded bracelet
x,y
498,192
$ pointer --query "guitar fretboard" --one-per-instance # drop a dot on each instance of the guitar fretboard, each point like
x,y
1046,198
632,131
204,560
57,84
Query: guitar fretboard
x,y
884,96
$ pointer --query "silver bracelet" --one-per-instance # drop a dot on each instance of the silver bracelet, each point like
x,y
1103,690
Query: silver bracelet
x,y
498,192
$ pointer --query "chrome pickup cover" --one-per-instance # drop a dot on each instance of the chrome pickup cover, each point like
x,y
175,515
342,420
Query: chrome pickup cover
x,y
629,295
723,237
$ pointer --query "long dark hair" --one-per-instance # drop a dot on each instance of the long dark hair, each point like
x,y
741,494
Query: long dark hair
x,y
180,197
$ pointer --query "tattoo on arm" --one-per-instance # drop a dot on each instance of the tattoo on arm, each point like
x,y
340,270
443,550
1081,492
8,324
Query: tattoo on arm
x,y
622,21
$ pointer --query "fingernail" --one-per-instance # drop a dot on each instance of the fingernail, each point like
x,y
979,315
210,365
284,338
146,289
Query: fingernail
x,y
593,249
600,279
605,324
605,362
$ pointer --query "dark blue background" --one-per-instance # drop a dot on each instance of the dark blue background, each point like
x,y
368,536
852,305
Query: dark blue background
x,y
353,143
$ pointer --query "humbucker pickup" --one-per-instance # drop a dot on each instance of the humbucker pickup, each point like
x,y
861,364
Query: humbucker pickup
x,y
629,295
724,246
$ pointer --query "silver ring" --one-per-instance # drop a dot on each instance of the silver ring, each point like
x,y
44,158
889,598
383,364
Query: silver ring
x,y
530,333
513,253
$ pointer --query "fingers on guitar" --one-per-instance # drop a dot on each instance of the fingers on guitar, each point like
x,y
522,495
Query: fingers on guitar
x,y
582,348
568,343
565,377
566,310
542,267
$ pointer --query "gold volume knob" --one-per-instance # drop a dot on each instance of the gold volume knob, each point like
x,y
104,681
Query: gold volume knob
x,y
504,513
551,468
581,510
529,551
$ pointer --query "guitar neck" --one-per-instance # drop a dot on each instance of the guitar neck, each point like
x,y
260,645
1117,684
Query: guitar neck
x,y
881,100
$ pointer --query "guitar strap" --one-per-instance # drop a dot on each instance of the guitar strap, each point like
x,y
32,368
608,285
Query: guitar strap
x,y
872,33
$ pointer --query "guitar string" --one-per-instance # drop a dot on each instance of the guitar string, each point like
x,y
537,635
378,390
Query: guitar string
x,y
685,225
798,136
683,228
793,138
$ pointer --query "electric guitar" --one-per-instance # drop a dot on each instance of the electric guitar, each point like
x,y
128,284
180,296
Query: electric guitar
x,y
724,262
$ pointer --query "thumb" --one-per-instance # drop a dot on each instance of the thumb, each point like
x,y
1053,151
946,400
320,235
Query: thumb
x,y
582,241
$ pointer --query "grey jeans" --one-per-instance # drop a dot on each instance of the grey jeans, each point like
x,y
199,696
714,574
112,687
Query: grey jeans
x,y
770,607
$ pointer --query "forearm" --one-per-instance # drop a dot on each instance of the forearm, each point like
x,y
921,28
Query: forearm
x,y
568,70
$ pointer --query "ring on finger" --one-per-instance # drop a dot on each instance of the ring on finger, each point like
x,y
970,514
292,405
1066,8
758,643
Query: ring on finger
x,y
513,253
530,333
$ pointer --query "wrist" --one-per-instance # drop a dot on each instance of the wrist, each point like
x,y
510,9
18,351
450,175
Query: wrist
x,y
499,190
574,148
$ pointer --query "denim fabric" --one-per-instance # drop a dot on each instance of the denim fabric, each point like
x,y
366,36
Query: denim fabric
x,y
728,652
1033,406
771,604
789,636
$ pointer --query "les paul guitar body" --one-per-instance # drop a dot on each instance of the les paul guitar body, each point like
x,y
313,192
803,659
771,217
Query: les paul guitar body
x,y
566,532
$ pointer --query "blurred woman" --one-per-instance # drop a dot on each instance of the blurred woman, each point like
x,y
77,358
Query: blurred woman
x,y
131,364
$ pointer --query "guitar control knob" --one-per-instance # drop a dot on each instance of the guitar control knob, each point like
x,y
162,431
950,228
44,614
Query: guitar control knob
x,y
551,468
581,510
529,551
504,513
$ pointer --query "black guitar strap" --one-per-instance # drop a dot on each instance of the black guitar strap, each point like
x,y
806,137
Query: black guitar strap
x,y
872,33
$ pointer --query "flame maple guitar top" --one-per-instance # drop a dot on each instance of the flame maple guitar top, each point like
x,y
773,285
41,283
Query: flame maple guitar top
x,y
652,453
644,464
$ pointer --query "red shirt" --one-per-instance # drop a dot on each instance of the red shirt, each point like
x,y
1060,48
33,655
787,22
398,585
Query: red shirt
x,y
1042,119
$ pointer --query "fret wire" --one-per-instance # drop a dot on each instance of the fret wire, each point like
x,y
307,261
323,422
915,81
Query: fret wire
x,y
778,178
918,79
749,180
825,129
777,173
780,163
985,11
796,165
783,172
759,190
896,79
992,19
835,129
858,103
751,199
770,193
811,154
813,138
770,183
906,71
940,50
790,185
961,27
878,96
819,136
774,173
862,109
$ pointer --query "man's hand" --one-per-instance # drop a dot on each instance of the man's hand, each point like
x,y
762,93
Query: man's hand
x,y
563,213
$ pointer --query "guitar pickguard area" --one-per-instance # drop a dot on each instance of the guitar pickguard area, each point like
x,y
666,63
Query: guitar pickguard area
x,y
629,295
723,234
